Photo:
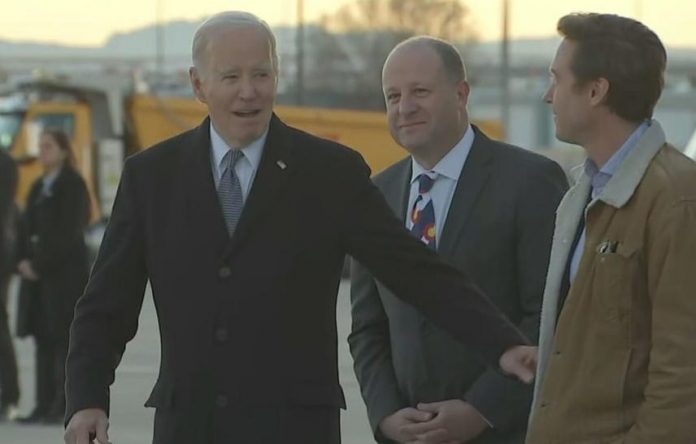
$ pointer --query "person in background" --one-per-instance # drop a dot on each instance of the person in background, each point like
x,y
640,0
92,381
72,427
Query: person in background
x,y
492,208
54,268
9,383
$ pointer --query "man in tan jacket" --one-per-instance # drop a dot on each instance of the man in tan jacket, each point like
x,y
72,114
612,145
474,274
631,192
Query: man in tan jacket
x,y
617,357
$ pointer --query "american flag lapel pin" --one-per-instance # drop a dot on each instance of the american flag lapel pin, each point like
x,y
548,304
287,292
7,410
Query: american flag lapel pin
x,y
281,164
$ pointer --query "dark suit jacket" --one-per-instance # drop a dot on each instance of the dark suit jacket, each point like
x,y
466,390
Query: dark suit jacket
x,y
249,322
52,237
8,188
499,229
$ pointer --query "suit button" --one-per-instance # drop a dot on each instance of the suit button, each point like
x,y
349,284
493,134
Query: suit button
x,y
221,401
221,334
224,272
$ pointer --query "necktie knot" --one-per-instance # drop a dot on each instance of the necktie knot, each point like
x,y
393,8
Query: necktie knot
x,y
229,160
425,183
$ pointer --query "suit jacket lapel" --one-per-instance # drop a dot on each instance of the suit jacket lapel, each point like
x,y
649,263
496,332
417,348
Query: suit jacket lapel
x,y
396,191
471,180
207,216
274,169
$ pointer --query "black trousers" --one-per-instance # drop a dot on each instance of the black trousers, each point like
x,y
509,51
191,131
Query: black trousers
x,y
50,375
9,384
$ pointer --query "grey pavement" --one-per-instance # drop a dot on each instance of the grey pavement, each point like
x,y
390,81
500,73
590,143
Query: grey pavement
x,y
131,423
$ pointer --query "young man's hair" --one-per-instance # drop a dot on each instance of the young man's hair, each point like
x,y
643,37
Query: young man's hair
x,y
623,51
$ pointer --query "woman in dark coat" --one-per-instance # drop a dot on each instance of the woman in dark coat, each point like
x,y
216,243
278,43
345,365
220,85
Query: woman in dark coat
x,y
54,268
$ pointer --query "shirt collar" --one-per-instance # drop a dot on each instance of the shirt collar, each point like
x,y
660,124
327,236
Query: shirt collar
x,y
600,177
48,179
252,152
451,165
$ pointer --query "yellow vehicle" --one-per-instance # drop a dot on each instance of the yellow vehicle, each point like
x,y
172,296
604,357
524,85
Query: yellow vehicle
x,y
107,123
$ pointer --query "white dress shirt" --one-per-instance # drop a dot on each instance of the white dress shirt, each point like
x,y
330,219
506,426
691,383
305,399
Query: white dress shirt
x,y
47,182
246,166
448,170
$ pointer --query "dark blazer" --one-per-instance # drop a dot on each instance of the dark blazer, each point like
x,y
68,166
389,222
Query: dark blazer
x,y
52,237
499,229
248,324
8,188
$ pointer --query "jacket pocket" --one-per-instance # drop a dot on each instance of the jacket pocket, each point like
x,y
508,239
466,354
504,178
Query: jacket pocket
x,y
615,275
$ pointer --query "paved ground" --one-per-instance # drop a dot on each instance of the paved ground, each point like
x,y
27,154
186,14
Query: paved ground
x,y
131,423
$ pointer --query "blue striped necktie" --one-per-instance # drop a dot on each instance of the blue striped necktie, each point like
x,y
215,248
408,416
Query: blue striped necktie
x,y
423,213
230,190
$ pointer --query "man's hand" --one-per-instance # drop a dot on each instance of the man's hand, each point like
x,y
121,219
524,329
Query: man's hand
x,y
27,271
454,421
86,425
520,361
391,426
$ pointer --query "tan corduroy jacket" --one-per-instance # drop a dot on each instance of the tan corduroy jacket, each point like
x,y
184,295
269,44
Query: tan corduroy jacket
x,y
619,367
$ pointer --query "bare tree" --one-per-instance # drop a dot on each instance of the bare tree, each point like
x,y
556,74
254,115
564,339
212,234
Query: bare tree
x,y
447,19
362,34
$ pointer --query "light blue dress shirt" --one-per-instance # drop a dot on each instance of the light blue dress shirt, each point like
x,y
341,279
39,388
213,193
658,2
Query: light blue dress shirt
x,y
246,166
599,179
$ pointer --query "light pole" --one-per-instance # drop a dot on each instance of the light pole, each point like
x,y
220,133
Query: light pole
x,y
299,50
159,36
638,5
505,70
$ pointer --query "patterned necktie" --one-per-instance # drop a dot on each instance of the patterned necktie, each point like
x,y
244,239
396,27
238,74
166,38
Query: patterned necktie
x,y
423,212
230,191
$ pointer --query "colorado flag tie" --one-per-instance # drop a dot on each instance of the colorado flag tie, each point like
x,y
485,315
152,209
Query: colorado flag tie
x,y
423,212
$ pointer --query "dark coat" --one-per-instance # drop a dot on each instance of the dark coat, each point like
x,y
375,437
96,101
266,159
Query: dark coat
x,y
52,238
8,188
248,324
498,228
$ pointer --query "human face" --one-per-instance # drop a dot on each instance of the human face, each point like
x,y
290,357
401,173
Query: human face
x,y
237,81
572,104
426,110
50,154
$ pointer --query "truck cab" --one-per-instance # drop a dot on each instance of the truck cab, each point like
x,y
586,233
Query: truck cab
x,y
98,147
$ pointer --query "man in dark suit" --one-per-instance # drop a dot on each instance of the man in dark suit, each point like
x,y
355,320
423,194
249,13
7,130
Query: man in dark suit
x,y
9,386
490,209
241,226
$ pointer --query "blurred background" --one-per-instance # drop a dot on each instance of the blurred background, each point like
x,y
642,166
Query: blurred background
x,y
114,76
332,51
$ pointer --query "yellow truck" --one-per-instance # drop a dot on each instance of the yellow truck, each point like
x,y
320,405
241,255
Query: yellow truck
x,y
108,120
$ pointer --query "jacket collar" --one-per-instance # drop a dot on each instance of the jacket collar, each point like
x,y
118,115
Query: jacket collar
x,y
624,182
276,166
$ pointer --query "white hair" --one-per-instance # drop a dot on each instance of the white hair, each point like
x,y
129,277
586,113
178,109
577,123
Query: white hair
x,y
228,19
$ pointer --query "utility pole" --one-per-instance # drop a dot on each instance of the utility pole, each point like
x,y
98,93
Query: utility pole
x,y
638,5
505,70
299,53
159,36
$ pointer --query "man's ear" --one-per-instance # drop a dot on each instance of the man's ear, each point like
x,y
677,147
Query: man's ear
x,y
196,84
463,90
599,90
